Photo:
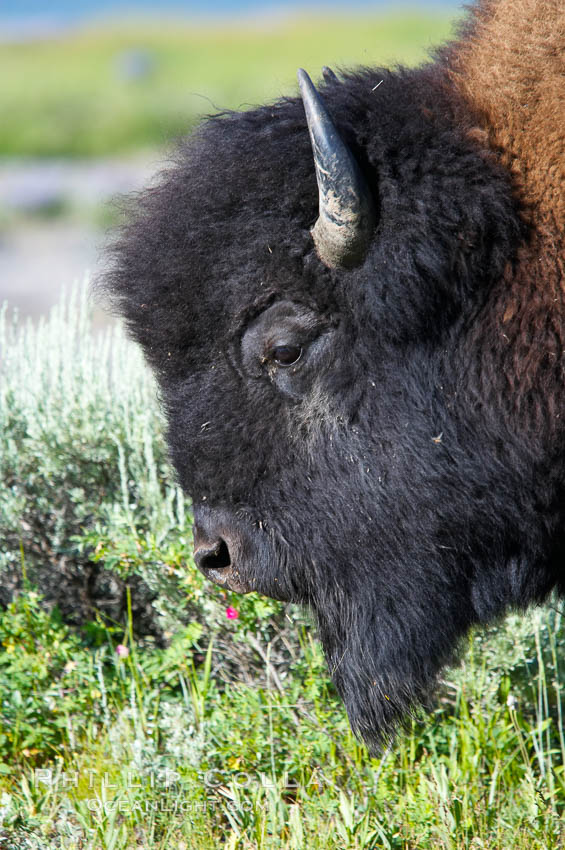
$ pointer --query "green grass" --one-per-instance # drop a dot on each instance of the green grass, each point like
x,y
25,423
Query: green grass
x,y
220,732
66,96
155,751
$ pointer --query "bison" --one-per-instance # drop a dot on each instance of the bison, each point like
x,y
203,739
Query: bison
x,y
353,302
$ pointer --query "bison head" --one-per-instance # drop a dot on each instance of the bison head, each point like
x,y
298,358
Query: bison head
x,y
316,284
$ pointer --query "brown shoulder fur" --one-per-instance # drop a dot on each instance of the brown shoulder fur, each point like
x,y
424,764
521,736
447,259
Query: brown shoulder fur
x,y
510,70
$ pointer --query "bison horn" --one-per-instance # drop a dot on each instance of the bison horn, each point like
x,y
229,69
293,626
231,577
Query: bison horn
x,y
347,216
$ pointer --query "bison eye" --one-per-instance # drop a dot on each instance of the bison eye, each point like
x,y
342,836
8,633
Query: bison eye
x,y
286,355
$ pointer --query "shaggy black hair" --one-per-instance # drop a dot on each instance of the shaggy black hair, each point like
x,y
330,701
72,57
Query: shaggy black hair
x,y
397,481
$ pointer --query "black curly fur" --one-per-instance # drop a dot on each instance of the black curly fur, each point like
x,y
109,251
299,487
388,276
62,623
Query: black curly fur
x,y
392,493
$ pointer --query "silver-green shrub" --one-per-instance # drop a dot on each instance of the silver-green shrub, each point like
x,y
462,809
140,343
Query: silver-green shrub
x,y
81,448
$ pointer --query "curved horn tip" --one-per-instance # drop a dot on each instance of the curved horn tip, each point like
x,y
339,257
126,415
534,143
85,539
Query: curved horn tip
x,y
304,80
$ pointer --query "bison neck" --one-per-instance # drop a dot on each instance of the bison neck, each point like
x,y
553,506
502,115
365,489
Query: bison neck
x,y
509,69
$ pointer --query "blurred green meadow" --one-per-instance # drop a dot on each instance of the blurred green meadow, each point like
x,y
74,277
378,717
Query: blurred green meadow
x,y
120,87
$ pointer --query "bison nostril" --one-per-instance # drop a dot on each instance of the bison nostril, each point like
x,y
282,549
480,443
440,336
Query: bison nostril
x,y
216,557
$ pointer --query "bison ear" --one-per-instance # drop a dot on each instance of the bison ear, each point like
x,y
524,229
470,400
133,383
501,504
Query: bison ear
x,y
328,75
343,230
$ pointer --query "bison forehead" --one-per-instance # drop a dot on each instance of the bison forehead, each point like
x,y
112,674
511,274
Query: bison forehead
x,y
228,226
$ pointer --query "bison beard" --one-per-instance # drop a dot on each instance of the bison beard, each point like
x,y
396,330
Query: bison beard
x,y
359,342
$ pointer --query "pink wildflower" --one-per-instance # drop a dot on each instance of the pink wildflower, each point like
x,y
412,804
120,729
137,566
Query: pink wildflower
x,y
122,651
231,613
